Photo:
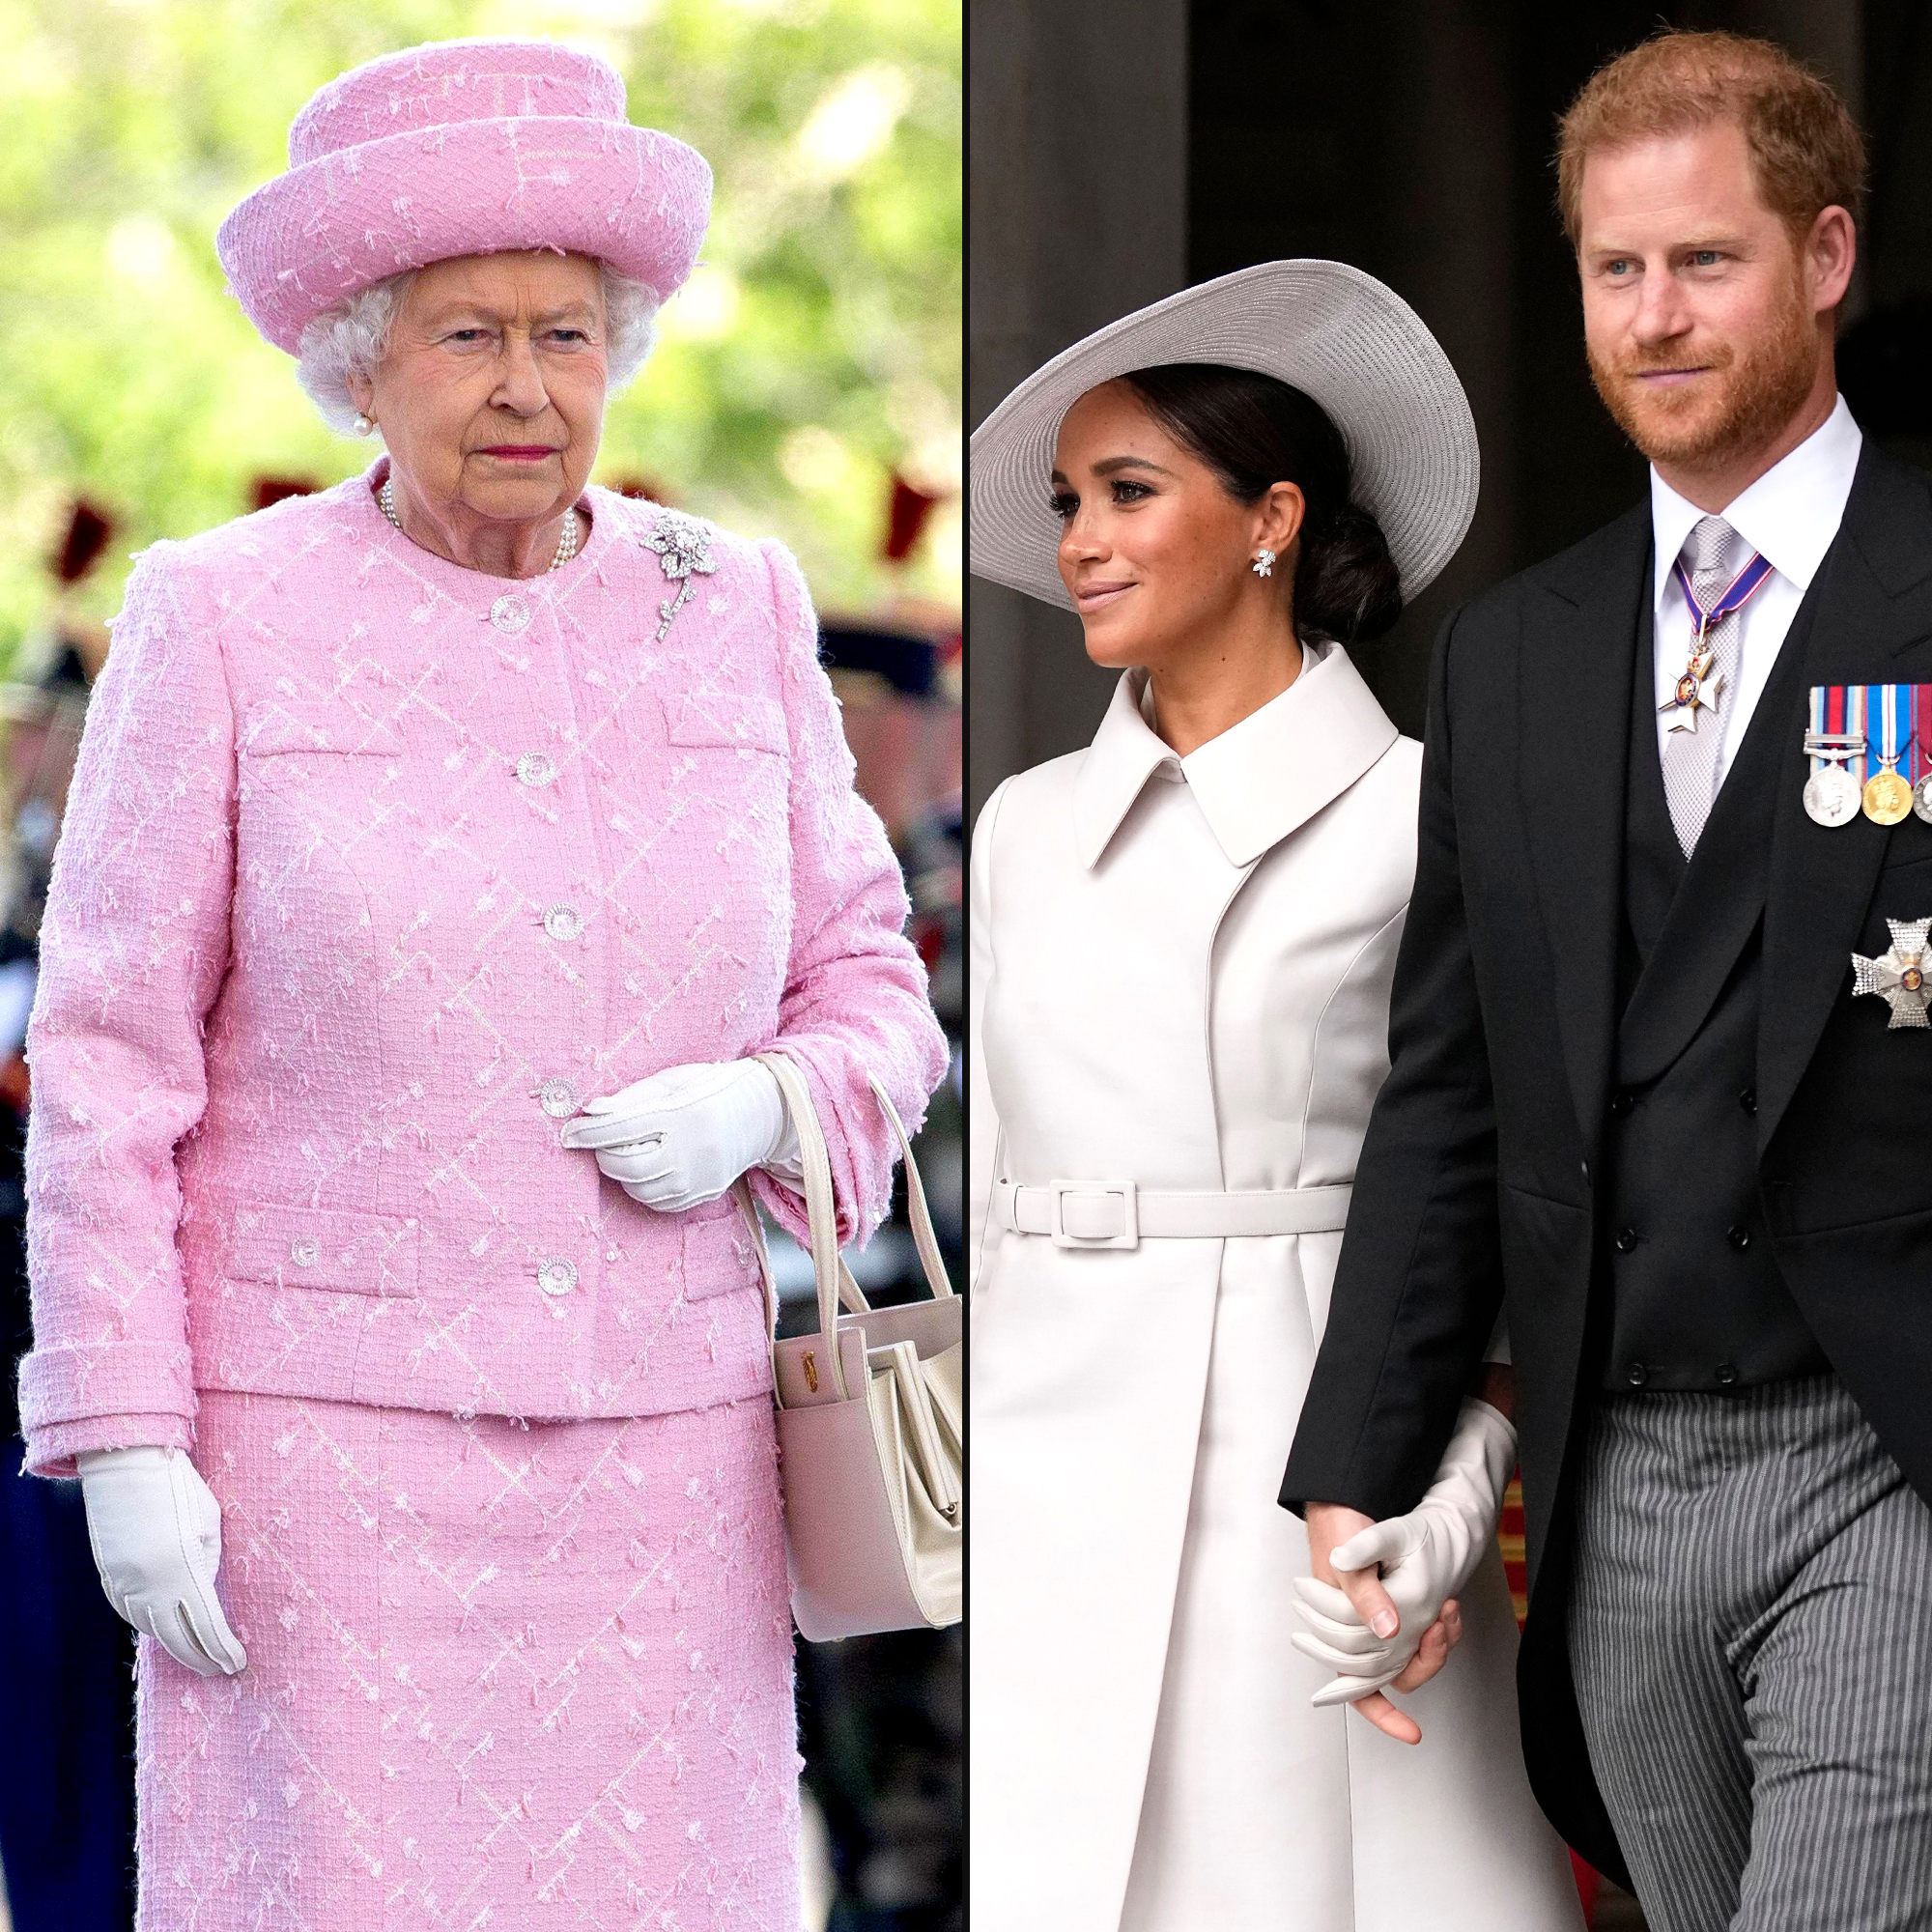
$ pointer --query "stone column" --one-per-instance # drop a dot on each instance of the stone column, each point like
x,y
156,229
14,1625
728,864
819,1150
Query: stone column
x,y
1076,214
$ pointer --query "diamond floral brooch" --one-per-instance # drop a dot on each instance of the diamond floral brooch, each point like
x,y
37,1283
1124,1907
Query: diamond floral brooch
x,y
682,546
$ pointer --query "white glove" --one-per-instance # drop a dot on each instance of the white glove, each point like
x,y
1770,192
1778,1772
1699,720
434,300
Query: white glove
x,y
682,1137
1427,1557
156,1531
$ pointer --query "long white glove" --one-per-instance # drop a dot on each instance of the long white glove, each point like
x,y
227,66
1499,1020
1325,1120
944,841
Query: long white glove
x,y
156,1531
683,1136
1427,1557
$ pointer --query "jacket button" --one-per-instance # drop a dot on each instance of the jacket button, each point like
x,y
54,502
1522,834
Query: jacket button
x,y
1636,1374
511,615
306,1252
1748,1099
562,923
1622,1101
557,1098
1739,1237
1625,1240
535,768
1728,1372
557,1277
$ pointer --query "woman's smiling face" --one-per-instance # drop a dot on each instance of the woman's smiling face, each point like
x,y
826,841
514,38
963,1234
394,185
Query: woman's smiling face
x,y
1154,550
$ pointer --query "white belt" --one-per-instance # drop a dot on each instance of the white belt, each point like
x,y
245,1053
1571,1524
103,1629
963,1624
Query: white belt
x,y
1119,1214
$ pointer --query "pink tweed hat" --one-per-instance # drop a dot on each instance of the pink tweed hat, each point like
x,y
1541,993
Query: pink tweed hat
x,y
462,148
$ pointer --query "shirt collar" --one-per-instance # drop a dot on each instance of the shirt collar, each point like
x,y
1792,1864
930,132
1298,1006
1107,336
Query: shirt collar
x,y
1255,784
1789,515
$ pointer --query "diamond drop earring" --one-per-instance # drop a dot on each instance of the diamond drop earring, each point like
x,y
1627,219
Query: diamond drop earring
x,y
1263,563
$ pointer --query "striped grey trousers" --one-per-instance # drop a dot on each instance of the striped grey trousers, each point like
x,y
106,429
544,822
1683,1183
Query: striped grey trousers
x,y
1750,1635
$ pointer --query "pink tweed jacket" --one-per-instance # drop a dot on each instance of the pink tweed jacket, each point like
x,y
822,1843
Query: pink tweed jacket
x,y
374,869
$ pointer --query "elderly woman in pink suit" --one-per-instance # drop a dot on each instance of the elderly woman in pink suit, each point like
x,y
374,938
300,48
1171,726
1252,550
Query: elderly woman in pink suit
x,y
441,848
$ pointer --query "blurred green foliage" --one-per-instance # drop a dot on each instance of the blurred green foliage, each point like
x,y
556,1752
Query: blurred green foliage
x,y
816,348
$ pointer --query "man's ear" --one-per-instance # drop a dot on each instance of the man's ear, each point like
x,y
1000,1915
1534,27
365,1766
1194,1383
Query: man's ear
x,y
1830,255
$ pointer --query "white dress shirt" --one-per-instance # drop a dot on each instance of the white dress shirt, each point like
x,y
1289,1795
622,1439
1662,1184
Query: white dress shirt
x,y
1789,517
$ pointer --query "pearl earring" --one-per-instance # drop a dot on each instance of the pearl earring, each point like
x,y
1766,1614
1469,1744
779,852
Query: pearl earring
x,y
363,425
1263,563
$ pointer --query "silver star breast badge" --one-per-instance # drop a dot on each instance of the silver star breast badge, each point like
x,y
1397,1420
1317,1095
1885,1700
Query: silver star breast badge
x,y
1899,977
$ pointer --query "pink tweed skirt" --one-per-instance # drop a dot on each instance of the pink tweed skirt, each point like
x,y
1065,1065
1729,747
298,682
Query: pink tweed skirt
x,y
499,1676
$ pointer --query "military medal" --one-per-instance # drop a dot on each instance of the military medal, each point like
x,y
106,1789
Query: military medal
x,y
1837,736
1888,797
1832,794
1701,686
1899,976
1866,743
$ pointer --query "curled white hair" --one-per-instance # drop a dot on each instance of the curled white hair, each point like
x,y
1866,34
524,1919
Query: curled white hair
x,y
352,338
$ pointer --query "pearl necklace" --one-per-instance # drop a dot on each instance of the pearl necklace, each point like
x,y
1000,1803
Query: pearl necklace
x,y
566,544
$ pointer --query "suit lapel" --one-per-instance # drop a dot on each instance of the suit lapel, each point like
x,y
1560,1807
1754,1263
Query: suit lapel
x,y
1875,600
1578,656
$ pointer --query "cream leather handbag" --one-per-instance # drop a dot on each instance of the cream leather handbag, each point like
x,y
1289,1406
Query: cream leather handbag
x,y
868,1420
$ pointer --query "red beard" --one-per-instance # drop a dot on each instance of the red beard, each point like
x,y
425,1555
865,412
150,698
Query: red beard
x,y
1753,389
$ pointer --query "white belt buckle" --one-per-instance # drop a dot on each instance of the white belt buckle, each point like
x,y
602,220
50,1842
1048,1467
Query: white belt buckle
x,y
1088,1196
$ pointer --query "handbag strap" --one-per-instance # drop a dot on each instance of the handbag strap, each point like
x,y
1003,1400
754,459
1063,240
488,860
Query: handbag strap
x,y
820,1208
917,1212
834,1280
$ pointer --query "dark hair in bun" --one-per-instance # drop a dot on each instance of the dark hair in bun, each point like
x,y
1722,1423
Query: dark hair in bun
x,y
1255,432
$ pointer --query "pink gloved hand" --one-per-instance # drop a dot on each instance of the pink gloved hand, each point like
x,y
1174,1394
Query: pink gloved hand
x,y
681,1137
156,1531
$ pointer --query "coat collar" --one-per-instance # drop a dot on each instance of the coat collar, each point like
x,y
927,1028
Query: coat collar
x,y
1255,784
1579,654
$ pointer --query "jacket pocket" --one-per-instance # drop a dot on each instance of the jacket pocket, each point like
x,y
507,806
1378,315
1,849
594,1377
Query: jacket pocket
x,y
1908,868
720,1255
271,729
725,719
332,1249
1544,1241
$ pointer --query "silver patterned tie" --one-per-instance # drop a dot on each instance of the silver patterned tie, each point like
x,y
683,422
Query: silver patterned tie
x,y
1690,757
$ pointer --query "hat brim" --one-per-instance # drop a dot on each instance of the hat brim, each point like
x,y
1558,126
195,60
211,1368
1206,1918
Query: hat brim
x,y
312,237
1339,335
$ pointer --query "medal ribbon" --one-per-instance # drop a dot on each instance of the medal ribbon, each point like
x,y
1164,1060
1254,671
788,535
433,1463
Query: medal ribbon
x,y
1839,711
1891,703
1744,585
1921,754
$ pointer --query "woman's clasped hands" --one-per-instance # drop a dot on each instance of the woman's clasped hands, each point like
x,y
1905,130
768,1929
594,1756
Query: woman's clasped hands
x,y
1394,1618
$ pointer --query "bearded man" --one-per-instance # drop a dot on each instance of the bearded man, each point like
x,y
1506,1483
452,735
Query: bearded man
x,y
1642,1100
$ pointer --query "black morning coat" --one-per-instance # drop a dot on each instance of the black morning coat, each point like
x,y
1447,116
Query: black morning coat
x,y
1475,1178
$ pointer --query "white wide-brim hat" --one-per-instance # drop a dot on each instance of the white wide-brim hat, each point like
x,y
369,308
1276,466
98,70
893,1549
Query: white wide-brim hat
x,y
1341,338
462,148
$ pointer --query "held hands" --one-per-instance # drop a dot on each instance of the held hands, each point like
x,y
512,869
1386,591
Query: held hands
x,y
683,1136
1394,1619
156,1529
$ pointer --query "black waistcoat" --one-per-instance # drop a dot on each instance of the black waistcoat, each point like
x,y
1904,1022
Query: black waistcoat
x,y
1696,1299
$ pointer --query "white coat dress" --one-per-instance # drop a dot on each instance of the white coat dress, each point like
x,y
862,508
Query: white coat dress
x,y
1181,978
